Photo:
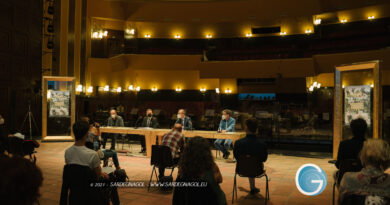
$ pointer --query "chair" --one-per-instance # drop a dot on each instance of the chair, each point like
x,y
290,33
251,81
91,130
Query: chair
x,y
161,157
76,186
193,195
249,166
347,165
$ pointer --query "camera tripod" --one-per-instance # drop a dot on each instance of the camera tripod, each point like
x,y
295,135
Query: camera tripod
x,y
31,120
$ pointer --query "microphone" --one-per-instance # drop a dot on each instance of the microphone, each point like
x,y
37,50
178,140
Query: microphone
x,y
136,122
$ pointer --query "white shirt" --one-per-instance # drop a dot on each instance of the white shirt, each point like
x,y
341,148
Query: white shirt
x,y
82,155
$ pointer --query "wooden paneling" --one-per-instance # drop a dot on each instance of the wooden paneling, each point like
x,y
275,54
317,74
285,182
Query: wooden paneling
x,y
20,60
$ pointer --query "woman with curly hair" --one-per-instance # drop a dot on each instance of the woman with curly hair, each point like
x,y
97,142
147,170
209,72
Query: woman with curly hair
x,y
197,165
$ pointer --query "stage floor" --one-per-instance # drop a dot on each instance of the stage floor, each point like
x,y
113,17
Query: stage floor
x,y
281,170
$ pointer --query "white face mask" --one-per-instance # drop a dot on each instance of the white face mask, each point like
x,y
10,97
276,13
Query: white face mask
x,y
113,116
1,121
224,117
178,115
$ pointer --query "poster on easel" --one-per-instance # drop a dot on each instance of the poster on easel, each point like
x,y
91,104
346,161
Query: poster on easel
x,y
357,103
59,103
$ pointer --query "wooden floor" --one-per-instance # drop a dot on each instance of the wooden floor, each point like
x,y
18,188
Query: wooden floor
x,y
281,170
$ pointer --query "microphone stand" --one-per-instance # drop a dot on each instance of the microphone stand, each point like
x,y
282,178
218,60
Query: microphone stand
x,y
136,122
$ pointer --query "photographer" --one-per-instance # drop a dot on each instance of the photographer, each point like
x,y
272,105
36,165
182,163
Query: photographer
x,y
93,143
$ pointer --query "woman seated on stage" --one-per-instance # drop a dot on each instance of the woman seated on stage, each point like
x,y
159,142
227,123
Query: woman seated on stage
x,y
197,165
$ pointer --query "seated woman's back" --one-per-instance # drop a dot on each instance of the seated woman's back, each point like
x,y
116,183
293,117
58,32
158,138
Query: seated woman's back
x,y
198,177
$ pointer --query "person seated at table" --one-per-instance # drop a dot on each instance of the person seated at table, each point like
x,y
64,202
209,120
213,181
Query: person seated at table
x,y
148,121
184,120
113,121
175,141
93,143
20,180
197,164
227,124
371,181
350,149
251,145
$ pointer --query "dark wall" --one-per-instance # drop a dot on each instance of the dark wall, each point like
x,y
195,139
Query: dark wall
x,y
20,60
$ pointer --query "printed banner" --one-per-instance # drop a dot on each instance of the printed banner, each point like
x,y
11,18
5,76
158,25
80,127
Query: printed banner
x,y
59,103
357,103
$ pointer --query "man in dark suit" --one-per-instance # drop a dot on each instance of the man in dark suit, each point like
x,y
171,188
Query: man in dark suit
x,y
350,149
113,121
251,145
184,120
148,121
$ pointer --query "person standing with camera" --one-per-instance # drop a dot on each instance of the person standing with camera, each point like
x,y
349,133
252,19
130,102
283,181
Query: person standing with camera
x,y
113,121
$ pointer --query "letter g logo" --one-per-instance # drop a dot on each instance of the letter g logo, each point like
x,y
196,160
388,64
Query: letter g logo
x,y
310,179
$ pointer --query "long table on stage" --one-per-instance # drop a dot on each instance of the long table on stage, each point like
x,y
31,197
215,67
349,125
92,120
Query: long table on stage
x,y
151,134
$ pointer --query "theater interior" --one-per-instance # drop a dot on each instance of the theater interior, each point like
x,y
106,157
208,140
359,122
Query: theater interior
x,y
303,83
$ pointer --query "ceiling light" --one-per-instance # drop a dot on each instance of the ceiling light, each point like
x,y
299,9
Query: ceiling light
x,y
317,22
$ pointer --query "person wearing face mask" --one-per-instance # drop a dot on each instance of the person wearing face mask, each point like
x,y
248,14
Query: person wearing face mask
x,y
113,121
227,124
3,138
184,120
148,121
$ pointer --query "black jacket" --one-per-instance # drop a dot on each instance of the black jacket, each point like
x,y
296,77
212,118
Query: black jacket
x,y
349,149
153,122
187,124
251,145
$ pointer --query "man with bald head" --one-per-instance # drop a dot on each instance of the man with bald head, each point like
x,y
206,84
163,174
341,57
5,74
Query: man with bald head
x,y
184,120
175,141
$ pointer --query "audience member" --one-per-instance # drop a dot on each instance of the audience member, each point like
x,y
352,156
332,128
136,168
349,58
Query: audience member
x,y
92,143
175,141
3,136
227,124
251,145
81,155
113,121
197,164
350,149
371,181
20,180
